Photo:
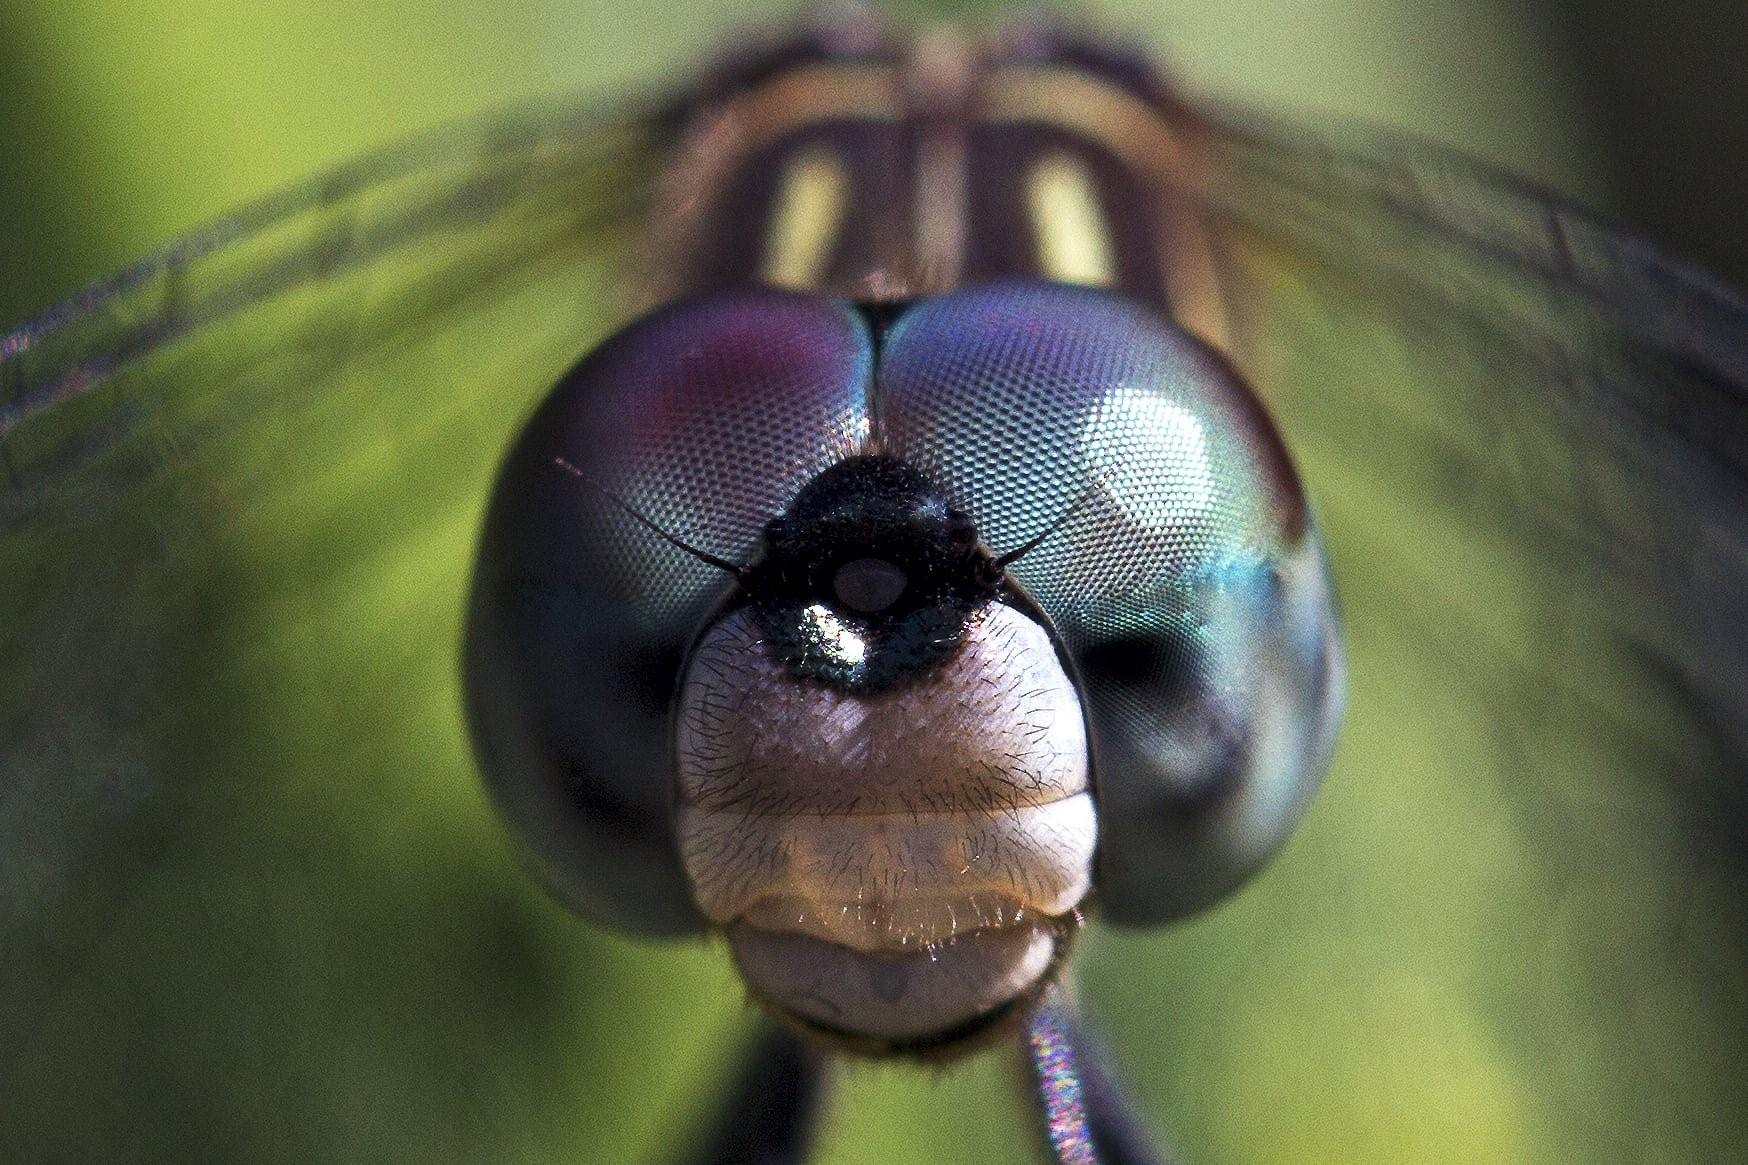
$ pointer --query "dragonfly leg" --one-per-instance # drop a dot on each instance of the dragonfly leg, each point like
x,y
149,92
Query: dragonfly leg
x,y
770,1115
1085,1118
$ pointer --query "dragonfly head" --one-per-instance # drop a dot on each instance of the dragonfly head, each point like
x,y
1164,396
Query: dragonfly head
x,y
1033,612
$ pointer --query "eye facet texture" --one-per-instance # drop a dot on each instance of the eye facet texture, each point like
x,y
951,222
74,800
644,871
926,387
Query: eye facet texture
x,y
706,418
1186,576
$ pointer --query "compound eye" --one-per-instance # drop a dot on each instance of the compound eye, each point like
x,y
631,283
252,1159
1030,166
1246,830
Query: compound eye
x,y
707,417
1187,579
869,585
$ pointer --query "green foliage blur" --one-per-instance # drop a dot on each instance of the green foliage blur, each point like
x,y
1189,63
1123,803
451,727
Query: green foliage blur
x,y
125,124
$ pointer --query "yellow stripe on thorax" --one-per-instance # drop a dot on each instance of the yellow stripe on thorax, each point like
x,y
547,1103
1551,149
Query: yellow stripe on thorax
x,y
1074,242
806,216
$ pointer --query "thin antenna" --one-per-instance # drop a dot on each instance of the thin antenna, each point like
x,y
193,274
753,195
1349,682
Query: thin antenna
x,y
649,524
1006,560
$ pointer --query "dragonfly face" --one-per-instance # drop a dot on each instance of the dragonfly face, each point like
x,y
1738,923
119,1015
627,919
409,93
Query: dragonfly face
x,y
942,378
876,743
946,550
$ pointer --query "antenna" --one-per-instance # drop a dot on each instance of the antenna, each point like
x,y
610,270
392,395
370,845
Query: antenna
x,y
1006,560
649,524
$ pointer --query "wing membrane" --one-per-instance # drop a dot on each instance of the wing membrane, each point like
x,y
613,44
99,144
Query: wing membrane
x,y
242,847
460,177
1565,389
1526,434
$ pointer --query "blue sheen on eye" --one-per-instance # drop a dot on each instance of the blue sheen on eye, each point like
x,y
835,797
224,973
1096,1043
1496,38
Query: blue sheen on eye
x,y
1187,577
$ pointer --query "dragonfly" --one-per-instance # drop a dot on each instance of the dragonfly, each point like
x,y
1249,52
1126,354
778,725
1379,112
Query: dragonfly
x,y
246,480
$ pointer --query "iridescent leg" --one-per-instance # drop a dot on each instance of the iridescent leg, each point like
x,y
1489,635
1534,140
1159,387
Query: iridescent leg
x,y
1086,1120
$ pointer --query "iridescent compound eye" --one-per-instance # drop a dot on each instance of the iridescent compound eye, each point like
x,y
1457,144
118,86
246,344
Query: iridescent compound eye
x,y
1187,580
812,632
707,418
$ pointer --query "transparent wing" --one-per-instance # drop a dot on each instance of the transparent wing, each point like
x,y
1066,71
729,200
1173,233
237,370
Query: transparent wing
x,y
1514,919
251,899
552,172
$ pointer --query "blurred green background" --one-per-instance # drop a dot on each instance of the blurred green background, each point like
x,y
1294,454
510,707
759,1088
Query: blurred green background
x,y
124,124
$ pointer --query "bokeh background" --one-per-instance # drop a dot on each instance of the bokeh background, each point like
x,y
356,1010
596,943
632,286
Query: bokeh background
x,y
124,124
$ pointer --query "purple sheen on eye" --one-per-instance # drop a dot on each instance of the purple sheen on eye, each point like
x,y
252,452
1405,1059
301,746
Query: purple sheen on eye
x,y
706,417
714,412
